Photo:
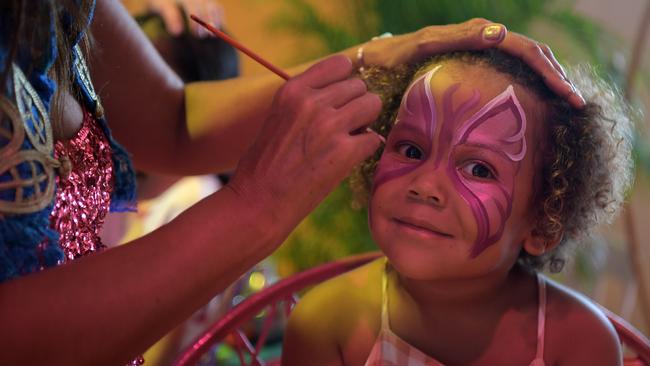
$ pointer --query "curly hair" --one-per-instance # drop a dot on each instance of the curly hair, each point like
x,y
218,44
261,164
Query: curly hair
x,y
586,162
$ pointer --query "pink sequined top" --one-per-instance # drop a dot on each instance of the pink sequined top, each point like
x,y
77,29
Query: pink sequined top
x,y
83,195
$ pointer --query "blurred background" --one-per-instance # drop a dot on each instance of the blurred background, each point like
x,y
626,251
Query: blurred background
x,y
611,268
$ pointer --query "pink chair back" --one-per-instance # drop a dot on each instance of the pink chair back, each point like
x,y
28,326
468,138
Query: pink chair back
x,y
281,296
632,339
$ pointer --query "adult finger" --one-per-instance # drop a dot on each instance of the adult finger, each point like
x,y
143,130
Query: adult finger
x,y
340,93
197,8
551,57
474,34
361,146
575,97
359,113
332,69
172,19
533,55
203,10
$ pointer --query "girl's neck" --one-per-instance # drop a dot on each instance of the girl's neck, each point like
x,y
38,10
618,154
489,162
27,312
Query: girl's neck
x,y
461,294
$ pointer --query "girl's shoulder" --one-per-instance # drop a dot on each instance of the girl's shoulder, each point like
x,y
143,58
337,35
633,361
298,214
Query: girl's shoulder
x,y
351,294
336,306
577,331
343,310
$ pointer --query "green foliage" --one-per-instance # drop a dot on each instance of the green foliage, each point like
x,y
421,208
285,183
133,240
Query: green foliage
x,y
302,17
642,154
359,20
582,30
411,15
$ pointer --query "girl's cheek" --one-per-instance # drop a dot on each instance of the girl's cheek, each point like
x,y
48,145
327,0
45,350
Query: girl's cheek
x,y
388,169
490,203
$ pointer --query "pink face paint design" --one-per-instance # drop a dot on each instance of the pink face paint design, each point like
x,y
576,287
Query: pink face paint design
x,y
451,119
487,127
418,112
499,127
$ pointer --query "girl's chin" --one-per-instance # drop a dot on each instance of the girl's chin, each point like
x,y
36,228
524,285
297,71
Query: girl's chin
x,y
416,268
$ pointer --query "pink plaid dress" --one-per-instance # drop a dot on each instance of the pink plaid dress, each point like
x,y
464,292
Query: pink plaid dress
x,y
391,350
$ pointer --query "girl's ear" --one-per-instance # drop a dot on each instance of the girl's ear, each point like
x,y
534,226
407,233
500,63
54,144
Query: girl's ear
x,y
536,244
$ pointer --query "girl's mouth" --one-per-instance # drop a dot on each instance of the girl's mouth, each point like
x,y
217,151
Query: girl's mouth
x,y
421,227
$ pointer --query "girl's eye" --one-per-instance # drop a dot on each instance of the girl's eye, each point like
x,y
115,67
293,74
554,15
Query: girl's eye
x,y
479,170
410,151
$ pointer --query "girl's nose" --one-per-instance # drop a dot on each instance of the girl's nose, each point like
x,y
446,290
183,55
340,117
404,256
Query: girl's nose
x,y
429,187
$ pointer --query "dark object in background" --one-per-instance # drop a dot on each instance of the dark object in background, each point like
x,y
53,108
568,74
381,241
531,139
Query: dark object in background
x,y
193,58
200,59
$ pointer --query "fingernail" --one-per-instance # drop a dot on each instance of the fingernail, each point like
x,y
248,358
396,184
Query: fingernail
x,y
581,100
494,32
578,95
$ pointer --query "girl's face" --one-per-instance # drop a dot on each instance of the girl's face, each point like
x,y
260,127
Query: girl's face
x,y
453,189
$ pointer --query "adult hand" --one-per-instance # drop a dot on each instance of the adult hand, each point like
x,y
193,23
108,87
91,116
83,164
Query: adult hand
x,y
171,12
309,141
474,34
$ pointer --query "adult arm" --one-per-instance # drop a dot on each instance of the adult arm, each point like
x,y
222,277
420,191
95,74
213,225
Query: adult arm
x,y
205,127
106,308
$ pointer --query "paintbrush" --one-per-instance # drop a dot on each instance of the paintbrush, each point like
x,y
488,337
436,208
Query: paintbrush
x,y
241,47
255,56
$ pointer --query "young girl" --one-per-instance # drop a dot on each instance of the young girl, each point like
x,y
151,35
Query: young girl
x,y
486,177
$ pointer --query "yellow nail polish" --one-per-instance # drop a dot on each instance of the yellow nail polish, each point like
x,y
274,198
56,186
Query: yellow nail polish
x,y
493,32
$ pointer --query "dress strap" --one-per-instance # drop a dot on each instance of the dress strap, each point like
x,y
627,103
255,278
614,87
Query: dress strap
x,y
384,296
541,320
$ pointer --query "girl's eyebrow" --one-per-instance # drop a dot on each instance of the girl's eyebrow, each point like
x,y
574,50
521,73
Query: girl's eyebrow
x,y
403,125
495,148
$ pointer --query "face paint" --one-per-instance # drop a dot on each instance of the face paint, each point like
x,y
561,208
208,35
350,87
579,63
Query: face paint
x,y
418,112
498,127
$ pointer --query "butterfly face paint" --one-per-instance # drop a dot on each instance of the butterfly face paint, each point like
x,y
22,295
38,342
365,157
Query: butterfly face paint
x,y
417,112
451,141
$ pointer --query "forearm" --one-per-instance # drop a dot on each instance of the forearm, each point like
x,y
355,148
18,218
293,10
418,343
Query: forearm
x,y
169,127
223,119
146,102
106,308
